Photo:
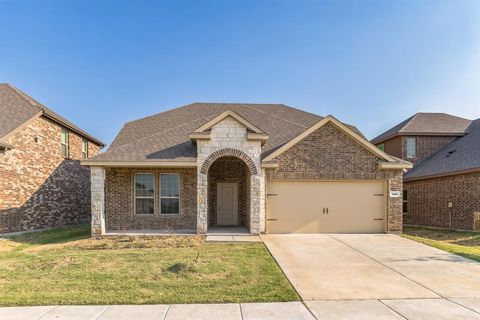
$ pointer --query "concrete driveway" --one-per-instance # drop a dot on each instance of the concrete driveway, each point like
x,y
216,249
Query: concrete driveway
x,y
352,274
380,266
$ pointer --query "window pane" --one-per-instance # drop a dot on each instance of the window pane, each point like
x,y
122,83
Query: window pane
x,y
169,185
64,136
411,147
404,206
144,185
381,147
64,150
144,206
169,206
405,195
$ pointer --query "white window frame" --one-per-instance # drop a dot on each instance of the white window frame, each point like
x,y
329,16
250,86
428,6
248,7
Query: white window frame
x,y
160,197
84,148
135,197
410,155
66,143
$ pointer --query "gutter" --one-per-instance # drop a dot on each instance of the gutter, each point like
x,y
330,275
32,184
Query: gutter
x,y
428,134
149,164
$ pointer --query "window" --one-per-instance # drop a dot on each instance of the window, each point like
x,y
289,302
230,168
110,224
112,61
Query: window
x,y
64,143
411,147
144,193
84,149
381,147
405,201
169,193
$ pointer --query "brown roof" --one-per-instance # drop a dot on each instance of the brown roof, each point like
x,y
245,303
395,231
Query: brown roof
x,y
164,136
460,155
16,108
427,124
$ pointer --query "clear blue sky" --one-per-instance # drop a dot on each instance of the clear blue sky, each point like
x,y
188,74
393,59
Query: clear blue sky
x,y
369,63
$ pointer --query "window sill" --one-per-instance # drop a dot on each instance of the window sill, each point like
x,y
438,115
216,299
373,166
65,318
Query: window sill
x,y
169,215
158,215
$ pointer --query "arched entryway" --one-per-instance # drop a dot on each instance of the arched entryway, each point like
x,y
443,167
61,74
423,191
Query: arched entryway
x,y
228,193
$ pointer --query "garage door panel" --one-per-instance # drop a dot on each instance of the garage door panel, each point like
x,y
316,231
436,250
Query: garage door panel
x,y
298,207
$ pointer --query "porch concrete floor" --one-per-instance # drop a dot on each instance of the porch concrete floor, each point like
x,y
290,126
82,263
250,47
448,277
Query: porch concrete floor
x,y
227,231
231,234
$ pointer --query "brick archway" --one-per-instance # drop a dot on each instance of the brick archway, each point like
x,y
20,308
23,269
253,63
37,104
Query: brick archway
x,y
225,153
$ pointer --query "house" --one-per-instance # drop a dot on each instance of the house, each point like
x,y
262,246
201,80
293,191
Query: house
x,y
421,135
42,183
443,188
265,167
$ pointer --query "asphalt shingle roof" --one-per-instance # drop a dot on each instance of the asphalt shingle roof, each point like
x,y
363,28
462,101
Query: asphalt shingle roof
x,y
164,136
425,124
462,154
16,108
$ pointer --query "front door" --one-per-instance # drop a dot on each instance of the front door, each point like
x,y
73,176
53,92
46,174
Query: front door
x,y
227,204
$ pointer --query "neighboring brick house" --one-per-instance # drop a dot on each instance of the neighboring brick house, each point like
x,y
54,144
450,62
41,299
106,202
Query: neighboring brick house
x,y
42,183
443,188
421,135
263,167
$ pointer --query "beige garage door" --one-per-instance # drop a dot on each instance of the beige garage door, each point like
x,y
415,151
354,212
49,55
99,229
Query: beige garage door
x,y
326,207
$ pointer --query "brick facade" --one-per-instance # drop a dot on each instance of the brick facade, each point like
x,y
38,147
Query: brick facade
x,y
428,201
228,156
329,154
39,188
426,146
119,201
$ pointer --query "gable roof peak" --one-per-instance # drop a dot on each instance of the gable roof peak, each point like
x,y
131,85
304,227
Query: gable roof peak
x,y
18,108
427,123
232,114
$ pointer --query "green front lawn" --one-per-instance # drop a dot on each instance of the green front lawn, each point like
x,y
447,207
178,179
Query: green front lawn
x,y
463,243
66,266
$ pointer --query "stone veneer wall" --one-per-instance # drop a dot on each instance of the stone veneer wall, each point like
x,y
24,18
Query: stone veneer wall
x,y
329,154
229,169
39,188
229,138
428,201
119,201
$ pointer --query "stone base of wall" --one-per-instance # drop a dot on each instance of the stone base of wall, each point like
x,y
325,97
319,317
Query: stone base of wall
x,y
428,201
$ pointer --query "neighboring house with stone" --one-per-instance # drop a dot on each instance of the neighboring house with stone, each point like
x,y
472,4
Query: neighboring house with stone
x,y
264,167
42,183
443,188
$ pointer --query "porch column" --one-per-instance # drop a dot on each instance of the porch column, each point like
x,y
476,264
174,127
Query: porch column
x,y
263,200
202,205
255,203
97,180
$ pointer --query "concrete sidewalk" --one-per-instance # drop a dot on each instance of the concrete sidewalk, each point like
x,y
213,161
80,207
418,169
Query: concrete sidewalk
x,y
410,309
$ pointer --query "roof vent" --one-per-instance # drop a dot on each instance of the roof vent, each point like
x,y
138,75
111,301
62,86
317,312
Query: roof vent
x,y
450,153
